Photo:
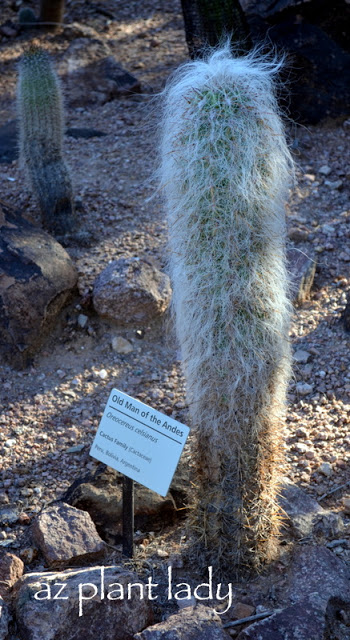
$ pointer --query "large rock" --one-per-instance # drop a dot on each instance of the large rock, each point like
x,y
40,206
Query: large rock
x,y
37,277
301,509
314,37
318,588
317,572
91,74
75,603
66,535
101,495
131,290
5,618
11,569
192,623
304,620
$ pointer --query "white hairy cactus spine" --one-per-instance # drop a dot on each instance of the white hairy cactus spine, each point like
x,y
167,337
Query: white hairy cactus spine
x,y
225,170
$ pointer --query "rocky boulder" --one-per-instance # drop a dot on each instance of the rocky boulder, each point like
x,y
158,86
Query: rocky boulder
x,y
304,620
94,602
131,290
37,277
191,623
5,618
318,590
300,509
11,569
66,535
91,75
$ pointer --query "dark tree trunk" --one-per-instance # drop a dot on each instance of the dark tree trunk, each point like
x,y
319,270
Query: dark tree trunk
x,y
346,314
51,12
208,22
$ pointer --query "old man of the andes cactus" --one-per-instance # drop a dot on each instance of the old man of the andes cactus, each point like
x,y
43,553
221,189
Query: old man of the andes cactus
x,y
225,170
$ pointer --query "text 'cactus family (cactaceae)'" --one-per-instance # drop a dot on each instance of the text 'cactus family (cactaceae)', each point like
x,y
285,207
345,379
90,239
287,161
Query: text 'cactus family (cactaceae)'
x,y
40,111
225,171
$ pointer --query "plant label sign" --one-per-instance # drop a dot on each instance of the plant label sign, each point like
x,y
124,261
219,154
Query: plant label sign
x,y
139,441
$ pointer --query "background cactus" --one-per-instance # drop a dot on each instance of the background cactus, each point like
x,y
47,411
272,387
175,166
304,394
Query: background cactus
x,y
41,140
225,169
27,18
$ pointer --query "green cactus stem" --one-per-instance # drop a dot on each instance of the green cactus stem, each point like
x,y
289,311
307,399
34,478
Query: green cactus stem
x,y
40,109
225,171
27,18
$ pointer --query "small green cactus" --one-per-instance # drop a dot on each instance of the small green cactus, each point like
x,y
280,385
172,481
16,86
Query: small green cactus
x,y
27,18
40,108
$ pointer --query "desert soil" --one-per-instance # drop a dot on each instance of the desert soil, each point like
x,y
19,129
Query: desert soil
x,y
57,403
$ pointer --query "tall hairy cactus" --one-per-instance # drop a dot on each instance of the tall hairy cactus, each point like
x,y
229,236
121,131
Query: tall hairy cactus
x,y
225,169
40,111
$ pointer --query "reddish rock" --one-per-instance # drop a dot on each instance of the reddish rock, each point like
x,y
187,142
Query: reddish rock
x,y
131,290
66,535
11,569
241,610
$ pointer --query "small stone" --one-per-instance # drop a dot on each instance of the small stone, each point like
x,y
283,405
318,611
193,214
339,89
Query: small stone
x,y
4,499
76,449
300,447
23,518
190,602
336,184
325,170
82,320
8,515
298,235
102,374
303,388
241,610
10,443
346,506
328,229
121,345
161,553
326,469
301,356
344,256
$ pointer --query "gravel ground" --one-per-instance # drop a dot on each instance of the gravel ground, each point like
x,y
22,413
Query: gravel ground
x,y
55,406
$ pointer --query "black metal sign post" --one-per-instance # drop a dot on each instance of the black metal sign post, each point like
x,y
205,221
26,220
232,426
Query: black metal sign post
x,y
128,517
